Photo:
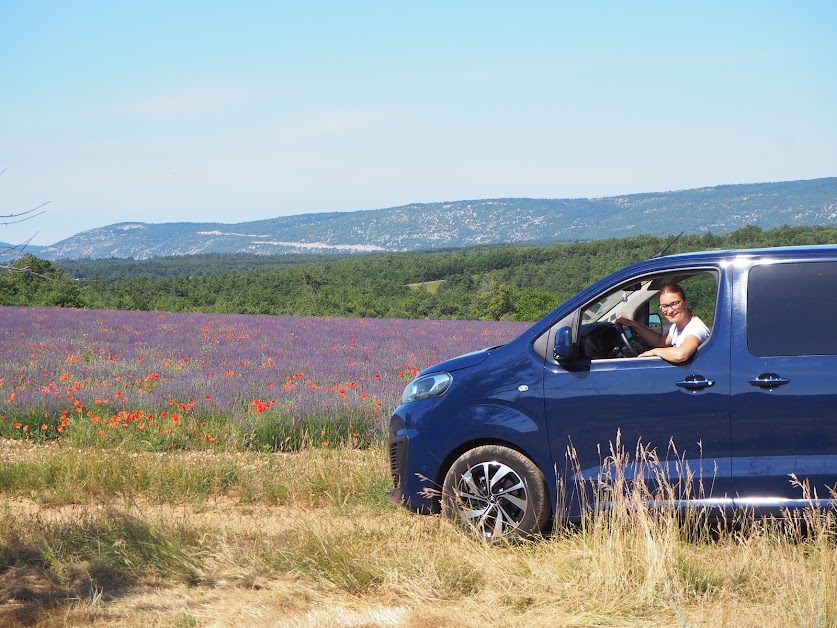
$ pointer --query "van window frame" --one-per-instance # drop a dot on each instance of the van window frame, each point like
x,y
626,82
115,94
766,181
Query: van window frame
x,y
668,275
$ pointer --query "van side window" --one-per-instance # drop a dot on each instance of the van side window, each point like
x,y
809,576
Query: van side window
x,y
790,309
638,299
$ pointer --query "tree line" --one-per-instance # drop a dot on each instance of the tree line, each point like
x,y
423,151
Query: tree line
x,y
496,282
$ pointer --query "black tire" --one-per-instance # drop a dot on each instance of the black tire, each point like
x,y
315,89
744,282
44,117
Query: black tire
x,y
496,493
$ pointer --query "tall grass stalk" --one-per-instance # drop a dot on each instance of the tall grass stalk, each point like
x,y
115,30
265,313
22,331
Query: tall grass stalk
x,y
311,535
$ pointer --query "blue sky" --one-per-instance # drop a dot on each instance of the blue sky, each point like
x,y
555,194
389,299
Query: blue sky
x,y
233,111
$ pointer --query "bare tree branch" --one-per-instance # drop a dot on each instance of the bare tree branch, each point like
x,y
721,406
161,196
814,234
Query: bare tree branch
x,y
28,215
28,271
17,250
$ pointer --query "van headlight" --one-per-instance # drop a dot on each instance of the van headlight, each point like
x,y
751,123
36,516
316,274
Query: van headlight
x,y
427,387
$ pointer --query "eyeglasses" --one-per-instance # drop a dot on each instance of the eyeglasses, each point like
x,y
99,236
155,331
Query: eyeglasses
x,y
670,306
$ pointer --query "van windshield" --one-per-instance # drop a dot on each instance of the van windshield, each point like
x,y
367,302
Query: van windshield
x,y
605,307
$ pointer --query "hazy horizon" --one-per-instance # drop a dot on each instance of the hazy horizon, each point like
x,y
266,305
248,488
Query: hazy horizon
x,y
230,112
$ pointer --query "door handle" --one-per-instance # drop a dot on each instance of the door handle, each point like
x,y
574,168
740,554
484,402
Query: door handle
x,y
769,380
695,382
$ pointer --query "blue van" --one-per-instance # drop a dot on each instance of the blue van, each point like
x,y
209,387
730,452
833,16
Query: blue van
x,y
499,438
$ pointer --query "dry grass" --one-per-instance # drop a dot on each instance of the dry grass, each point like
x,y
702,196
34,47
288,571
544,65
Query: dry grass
x,y
308,540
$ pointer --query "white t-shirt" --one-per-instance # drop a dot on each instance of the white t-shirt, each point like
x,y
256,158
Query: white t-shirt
x,y
695,327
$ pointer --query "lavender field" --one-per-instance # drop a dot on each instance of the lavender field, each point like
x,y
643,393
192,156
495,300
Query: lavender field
x,y
159,380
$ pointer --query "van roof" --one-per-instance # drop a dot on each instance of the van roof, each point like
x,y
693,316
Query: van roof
x,y
813,250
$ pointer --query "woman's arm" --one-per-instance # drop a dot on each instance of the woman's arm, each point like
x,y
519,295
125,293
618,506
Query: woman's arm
x,y
649,335
675,354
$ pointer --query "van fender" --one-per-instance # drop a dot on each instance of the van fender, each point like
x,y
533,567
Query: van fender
x,y
496,423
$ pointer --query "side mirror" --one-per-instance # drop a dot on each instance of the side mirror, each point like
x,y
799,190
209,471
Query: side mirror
x,y
563,349
655,323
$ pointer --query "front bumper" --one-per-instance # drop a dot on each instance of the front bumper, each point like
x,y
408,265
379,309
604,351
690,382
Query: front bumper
x,y
410,490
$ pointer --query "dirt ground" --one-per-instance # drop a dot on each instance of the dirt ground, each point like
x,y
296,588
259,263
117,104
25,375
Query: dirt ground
x,y
32,596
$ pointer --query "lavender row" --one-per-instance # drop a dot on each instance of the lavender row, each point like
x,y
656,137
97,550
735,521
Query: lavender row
x,y
97,363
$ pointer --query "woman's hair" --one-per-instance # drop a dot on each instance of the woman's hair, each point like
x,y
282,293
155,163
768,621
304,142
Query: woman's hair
x,y
673,288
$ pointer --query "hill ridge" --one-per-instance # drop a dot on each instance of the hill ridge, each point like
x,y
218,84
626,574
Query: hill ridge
x,y
452,224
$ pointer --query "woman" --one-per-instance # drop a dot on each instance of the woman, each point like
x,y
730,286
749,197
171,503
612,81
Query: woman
x,y
684,335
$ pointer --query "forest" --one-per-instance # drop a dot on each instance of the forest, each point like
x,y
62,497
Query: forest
x,y
501,282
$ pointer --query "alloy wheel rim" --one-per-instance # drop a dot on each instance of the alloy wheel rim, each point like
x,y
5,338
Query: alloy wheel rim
x,y
492,499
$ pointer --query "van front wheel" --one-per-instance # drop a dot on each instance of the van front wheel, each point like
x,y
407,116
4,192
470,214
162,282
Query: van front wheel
x,y
496,493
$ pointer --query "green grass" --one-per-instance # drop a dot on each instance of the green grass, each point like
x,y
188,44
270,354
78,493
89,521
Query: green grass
x,y
319,477
430,286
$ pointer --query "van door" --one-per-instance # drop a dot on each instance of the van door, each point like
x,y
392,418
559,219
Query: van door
x,y
679,411
784,383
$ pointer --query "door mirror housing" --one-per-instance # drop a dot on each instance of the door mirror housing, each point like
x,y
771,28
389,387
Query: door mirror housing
x,y
564,348
655,323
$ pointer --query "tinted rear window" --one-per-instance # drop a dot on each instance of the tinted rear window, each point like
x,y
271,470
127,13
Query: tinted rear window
x,y
791,309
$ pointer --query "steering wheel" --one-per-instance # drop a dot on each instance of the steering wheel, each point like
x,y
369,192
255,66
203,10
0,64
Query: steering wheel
x,y
632,346
627,347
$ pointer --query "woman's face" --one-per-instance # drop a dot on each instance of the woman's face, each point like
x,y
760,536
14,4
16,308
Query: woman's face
x,y
675,308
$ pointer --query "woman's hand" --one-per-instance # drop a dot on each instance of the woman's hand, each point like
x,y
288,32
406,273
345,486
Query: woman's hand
x,y
649,335
624,320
